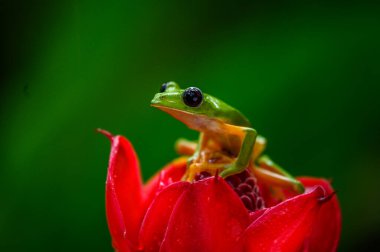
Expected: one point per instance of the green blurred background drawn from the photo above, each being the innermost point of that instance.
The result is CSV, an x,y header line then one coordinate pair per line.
x,y
306,74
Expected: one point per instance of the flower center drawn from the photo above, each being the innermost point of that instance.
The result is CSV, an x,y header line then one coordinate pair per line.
x,y
245,186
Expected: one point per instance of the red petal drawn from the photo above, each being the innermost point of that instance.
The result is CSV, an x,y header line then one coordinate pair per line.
x,y
327,225
171,173
209,216
156,219
256,214
123,194
284,227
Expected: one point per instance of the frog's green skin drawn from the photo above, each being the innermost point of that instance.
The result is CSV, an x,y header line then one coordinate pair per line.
x,y
214,119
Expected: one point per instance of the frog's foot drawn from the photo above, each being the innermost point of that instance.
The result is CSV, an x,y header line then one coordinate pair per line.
x,y
185,147
231,169
269,172
198,168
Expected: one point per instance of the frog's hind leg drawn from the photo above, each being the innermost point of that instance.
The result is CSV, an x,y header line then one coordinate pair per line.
x,y
197,168
245,155
185,147
269,172
259,147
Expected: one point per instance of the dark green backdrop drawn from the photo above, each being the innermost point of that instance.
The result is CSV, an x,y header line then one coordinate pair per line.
x,y
306,74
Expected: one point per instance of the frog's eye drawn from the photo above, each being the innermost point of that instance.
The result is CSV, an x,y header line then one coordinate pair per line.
x,y
164,87
192,97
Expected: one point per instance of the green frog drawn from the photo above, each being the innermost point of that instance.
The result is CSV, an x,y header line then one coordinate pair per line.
x,y
227,143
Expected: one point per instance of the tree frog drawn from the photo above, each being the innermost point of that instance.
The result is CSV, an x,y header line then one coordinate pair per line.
x,y
227,144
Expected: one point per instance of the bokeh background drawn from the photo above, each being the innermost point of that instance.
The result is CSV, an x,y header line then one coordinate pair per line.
x,y
306,74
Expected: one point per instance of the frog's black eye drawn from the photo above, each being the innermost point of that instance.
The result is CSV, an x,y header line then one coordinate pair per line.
x,y
163,87
192,97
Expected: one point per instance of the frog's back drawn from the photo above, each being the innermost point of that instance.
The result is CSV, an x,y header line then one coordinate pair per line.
x,y
226,113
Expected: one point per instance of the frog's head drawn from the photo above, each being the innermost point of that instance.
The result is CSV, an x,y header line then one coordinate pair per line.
x,y
188,105
172,97
193,107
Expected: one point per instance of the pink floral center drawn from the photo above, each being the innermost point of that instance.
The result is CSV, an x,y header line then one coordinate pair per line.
x,y
245,186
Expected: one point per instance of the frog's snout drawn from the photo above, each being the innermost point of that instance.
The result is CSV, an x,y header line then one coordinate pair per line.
x,y
157,100
170,100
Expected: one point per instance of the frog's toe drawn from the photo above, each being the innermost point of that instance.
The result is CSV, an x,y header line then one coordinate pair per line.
x,y
229,170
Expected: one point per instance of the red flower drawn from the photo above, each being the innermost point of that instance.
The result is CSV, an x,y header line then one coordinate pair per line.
x,y
167,214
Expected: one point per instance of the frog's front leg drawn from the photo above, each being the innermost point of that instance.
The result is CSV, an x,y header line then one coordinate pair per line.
x,y
246,150
189,175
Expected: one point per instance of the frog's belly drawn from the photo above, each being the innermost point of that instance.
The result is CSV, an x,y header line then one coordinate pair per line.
x,y
215,129
214,157
196,122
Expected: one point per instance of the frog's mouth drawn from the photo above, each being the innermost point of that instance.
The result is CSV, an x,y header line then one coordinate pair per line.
x,y
180,115
193,121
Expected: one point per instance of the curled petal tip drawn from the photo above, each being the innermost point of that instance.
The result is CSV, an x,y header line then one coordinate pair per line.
x,y
105,132
328,197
